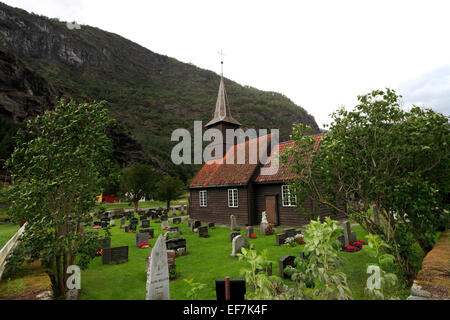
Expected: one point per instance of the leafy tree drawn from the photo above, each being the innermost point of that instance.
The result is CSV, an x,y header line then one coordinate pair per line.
x,y
59,165
380,156
169,189
137,181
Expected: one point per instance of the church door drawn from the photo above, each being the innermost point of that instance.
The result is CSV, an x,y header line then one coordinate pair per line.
x,y
272,209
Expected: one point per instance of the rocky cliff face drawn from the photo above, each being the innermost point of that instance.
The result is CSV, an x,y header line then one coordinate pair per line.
x,y
24,95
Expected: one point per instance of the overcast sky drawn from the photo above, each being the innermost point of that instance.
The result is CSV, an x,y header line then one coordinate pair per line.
x,y
320,54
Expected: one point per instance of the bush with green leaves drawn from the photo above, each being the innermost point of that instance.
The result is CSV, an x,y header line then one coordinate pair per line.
x,y
195,288
321,270
264,287
383,279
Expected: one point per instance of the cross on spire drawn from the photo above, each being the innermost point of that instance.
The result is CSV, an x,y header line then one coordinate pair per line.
x,y
221,60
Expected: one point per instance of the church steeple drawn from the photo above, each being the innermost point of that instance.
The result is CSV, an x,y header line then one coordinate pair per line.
x,y
222,112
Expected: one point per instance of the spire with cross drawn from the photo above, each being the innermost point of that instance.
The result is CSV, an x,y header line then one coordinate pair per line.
x,y
221,61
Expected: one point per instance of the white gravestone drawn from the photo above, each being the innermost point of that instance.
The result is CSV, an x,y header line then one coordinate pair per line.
x,y
158,273
264,223
233,225
264,218
238,243
164,225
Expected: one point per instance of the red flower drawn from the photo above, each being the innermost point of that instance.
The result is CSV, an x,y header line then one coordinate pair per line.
x,y
165,228
143,244
252,236
149,236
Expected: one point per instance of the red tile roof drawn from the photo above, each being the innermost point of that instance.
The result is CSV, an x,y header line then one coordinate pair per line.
x,y
220,173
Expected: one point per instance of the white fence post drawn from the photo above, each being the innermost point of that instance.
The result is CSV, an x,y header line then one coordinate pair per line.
x,y
10,245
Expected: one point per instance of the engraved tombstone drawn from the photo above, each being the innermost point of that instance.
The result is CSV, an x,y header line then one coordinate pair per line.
x,y
157,287
233,225
238,243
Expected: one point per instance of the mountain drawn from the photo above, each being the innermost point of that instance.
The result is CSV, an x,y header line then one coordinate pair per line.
x,y
149,94
24,95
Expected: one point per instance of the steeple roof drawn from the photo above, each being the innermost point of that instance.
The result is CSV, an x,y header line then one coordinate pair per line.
x,y
222,112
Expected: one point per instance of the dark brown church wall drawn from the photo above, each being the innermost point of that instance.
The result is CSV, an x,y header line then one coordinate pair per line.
x,y
217,209
288,216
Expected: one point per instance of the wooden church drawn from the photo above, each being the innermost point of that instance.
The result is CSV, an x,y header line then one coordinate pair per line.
x,y
221,189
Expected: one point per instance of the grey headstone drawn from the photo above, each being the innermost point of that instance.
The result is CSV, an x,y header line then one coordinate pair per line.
x,y
203,232
233,235
284,262
116,254
145,223
233,224
262,227
238,243
123,221
157,287
248,232
140,237
164,225
347,233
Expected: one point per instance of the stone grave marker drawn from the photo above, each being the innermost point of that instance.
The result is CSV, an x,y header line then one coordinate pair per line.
x,y
281,238
164,225
157,287
203,232
303,256
175,229
195,225
284,262
290,232
238,243
175,244
123,221
134,221
149,231
112,223
115,255
103,243
182,211
211,225
164,217
233,235
145,223
140,237
176,220
233,225
248,232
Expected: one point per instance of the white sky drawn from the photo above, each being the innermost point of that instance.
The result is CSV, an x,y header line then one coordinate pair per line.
x,y
320,54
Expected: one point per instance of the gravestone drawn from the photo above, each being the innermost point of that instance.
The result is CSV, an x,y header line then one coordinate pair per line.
x,y
171,255
203,232
157,287
233,225
237,290
347,233
164,225
134,221
182,211
195,225
248,232
130,228
145,223
211,225
140,237
238,243
281,238
176,220
97,223
112,223
284,262
151,232
115,255
103,243
262,227
104,224
290,232
174,212
175,244
123,221
234,235
175,229
164,217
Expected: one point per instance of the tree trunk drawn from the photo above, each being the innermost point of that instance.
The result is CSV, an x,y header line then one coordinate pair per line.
x,y
168,205
136,205
59,276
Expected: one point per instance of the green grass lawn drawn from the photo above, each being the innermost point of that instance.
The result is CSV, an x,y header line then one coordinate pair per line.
x,y
7,230
208,259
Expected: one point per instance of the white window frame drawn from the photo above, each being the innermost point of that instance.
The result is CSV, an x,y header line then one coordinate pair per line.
x,y
203,197
233,200
288,199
